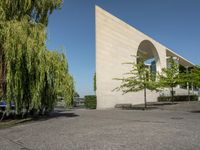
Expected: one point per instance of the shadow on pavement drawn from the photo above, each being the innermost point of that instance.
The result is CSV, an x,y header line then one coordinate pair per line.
x,y
150,106
162,104
195,111
62,114
17,120
56,114
138,108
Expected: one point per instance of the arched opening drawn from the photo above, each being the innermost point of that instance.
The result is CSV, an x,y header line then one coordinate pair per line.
x,y
149,55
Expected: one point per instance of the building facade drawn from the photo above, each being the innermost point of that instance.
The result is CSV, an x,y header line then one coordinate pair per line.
x,y
116,43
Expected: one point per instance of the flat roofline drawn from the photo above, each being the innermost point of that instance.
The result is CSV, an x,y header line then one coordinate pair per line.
x,y
184,60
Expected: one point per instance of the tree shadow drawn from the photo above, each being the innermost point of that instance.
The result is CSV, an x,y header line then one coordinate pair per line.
x,y
150,106
139,108
162,104
55,114
195,111
18,120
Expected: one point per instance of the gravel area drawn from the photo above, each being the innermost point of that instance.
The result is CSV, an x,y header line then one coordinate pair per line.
x,y
169,127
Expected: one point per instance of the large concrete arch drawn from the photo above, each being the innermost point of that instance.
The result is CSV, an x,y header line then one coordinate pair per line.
x,y
116,42
149,51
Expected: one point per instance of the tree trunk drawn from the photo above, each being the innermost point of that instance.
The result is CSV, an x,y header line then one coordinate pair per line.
x,y
189,95
172,94
145,98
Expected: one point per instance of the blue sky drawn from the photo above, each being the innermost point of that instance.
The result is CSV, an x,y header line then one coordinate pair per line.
x,y
174,23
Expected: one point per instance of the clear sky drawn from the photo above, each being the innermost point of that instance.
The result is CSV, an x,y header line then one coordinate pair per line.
x,y
174,23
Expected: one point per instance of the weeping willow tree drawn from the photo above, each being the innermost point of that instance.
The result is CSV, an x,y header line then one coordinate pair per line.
x,y
31,75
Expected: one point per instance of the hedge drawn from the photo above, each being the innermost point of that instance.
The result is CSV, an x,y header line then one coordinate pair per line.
x,y
177,98
90,101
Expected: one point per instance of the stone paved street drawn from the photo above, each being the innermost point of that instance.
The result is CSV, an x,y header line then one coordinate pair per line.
x,y
169,128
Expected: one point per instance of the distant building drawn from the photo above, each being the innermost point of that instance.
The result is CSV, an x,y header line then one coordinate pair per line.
x,y
79,102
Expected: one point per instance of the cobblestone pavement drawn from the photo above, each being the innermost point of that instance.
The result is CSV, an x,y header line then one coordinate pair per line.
x,y
169,128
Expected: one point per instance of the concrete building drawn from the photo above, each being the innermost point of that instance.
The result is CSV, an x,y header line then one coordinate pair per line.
x,y
116,41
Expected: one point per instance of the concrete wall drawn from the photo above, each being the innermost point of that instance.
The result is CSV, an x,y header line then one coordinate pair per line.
x,y
116,41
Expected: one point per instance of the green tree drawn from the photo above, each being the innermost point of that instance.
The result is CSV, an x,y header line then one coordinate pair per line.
x,y
33,10
32,76
187,79
169,77
76,94
139,78
195,76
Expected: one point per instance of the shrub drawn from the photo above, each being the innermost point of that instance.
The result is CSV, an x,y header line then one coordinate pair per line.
x,y
90,101
177,98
